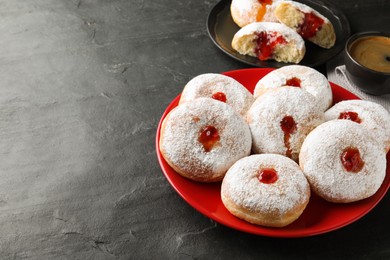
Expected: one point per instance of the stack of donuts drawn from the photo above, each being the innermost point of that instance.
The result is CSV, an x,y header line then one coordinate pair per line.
x,y
273,148
276,29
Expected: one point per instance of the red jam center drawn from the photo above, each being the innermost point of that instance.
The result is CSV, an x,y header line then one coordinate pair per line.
x,y
266,43
265,2
220,96
208,136
289,127
310,26
268,176
293,82
351,160
353,116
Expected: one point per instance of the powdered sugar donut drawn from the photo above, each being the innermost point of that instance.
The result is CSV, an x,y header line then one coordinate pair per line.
x,y
300,76
265,189
342,161
268,40
309,23
219,87
371,115
201,139
245,12
280,120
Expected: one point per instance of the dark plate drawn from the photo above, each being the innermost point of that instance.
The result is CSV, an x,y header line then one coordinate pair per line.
x,y
221,29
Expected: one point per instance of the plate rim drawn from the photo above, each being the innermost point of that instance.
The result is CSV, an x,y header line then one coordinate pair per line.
x,y
325,4
262,231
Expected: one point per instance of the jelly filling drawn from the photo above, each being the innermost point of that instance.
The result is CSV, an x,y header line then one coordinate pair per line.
x,y
289,127
263,9
310,25
265,44
220,96
351,160
268,176
293,82
208,136
349,115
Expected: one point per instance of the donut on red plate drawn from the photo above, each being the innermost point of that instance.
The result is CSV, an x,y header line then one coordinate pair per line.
x,y
265,189
309,23
280,120
201,139
268,40
244,12
219,87
304,77
342,161
371,115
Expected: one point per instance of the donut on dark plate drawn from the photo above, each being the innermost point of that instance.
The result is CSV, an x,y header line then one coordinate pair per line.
x,y
269,41
309,23
244,12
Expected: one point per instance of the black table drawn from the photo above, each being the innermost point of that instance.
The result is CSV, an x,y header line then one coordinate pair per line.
x,y
83,86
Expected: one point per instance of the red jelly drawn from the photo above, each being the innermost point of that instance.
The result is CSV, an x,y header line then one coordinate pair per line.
x,y
289,127
265,44
310,26
208,136
353,116
293,82
351,160
268,176
220,96
265,2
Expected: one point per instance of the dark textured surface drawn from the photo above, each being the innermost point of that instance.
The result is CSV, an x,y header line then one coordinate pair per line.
x,y
83,85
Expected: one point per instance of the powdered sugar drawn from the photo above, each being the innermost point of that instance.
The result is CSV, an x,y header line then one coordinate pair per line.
x,y
320,161
244,6
180,132
373,116
246,11
306,9
311,80
267,112
288,33
205,85
241,184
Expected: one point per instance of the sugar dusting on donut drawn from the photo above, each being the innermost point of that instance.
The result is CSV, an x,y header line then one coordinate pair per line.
x,y
245,12
269,27
371,115
267,112
245,5
310,80
276,201
269,40
180,146
309,23
308,9
206,85
320,160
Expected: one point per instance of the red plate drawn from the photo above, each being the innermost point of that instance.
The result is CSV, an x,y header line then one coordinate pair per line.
x,y
319,217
